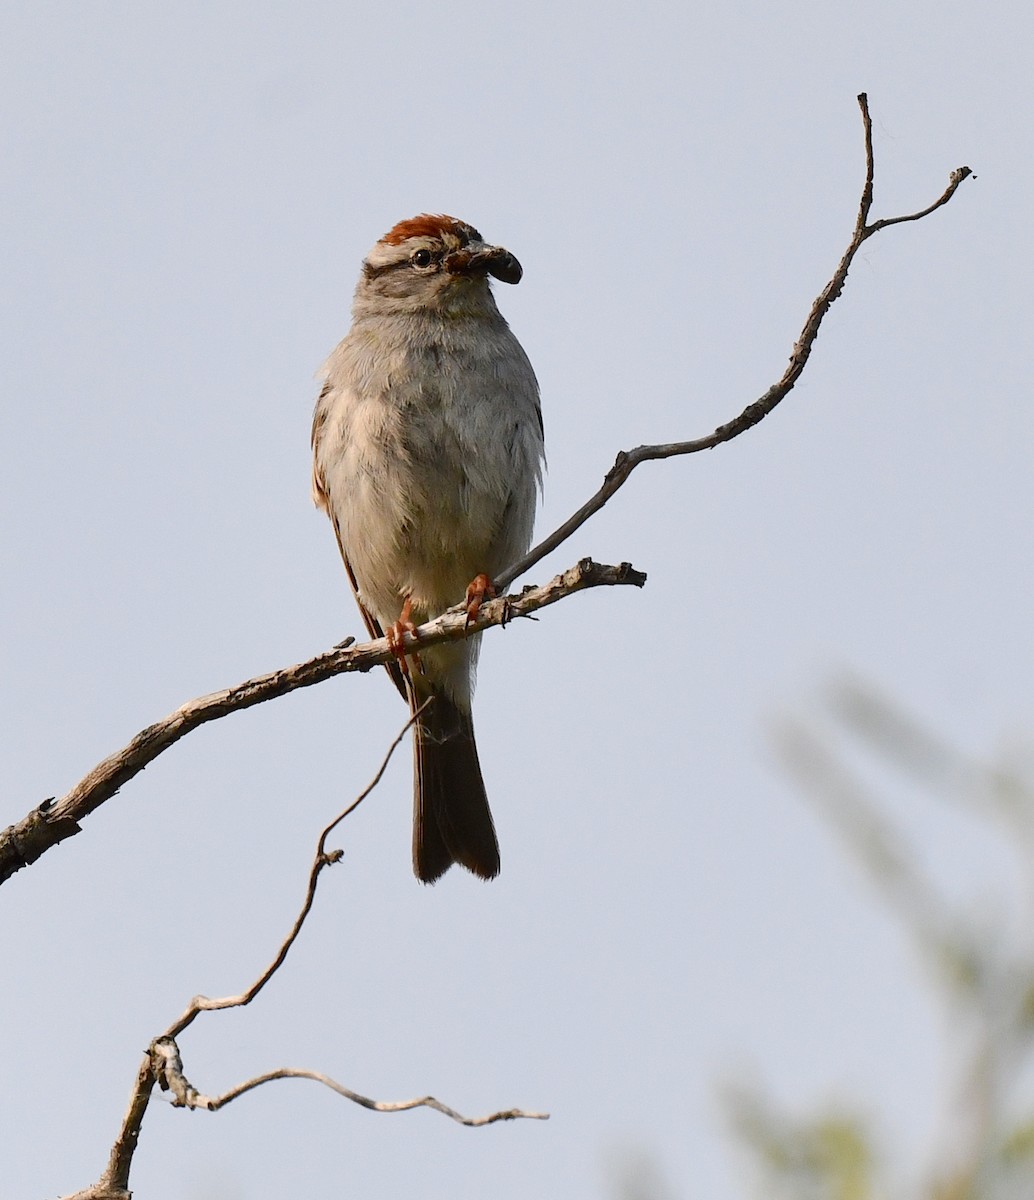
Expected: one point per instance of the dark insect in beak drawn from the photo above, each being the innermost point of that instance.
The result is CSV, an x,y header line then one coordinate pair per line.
x,y
491,259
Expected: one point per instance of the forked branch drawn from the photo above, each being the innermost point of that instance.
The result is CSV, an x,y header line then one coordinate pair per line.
x,y
627,460
163,1066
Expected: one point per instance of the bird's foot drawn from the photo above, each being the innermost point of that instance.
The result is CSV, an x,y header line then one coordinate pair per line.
x,y
394,635
480,589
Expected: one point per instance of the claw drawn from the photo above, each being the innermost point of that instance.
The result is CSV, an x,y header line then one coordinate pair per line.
x,y
480,589
395,633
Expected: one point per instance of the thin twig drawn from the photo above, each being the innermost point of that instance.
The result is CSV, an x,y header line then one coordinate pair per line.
x,y
52,822
185,1095
627,460
162,1064
320,862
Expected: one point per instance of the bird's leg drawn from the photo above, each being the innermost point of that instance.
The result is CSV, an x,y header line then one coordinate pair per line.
x,y
480,589
395,633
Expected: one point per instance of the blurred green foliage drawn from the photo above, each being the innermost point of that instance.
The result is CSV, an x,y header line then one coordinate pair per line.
x,y
859,758
848,756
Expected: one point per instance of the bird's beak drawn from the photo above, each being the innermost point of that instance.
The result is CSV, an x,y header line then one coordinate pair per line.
x,y
481,257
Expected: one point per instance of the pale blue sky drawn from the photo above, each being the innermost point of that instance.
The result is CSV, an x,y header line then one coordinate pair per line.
x,y
188,191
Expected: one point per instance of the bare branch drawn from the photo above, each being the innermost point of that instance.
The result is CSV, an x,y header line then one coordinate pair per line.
x,y
954,179
99,1192
162,1063
627,460
114,1183
116,1177
322,860
185,1095
54,821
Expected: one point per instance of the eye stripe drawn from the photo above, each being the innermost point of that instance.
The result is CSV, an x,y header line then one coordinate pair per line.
x,y
375,272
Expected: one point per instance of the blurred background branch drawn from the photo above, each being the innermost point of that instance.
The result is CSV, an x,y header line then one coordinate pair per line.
x,y
866,763
858,747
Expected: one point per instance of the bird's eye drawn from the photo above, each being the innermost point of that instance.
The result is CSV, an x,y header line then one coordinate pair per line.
x,y
421,258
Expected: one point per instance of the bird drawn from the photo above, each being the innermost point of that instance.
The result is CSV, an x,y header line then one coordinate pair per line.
x,y
428,453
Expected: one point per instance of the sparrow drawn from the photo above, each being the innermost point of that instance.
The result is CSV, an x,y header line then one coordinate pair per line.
x,y
428,451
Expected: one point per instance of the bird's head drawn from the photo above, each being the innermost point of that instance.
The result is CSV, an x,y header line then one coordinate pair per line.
x,y
434,262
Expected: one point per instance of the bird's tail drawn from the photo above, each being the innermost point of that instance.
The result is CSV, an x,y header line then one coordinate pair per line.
x,y
452,822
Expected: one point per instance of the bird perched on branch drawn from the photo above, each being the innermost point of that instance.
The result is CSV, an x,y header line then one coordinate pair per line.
x,y
427,457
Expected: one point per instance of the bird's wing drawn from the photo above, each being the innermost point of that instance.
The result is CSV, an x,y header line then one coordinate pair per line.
x,y
322,500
